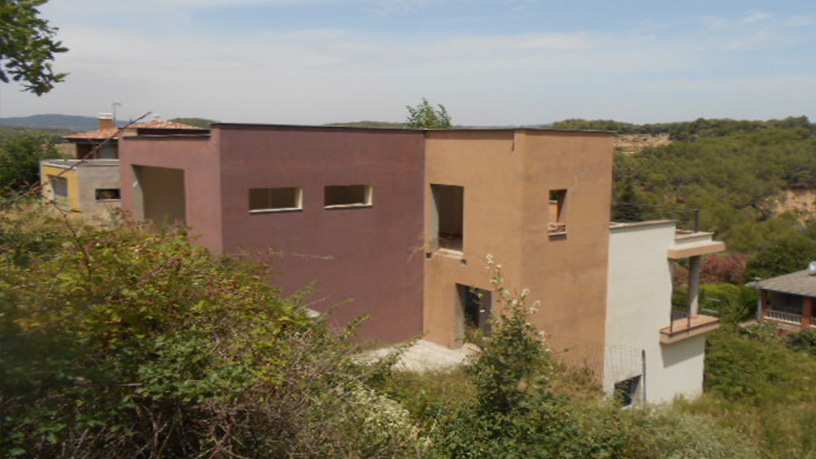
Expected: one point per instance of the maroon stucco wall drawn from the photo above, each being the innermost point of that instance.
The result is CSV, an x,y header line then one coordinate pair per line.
x,y
198,158
371,256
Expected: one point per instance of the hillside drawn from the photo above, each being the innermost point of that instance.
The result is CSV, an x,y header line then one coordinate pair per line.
x,y
70,123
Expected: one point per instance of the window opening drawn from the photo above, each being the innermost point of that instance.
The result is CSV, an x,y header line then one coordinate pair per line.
x,y
347,195
557,211
448,217
59,185
107,194
275,199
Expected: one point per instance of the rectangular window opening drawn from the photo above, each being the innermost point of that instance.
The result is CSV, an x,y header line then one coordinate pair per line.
x,y
448,217
59,186
557,212
107,194
275,199
347,196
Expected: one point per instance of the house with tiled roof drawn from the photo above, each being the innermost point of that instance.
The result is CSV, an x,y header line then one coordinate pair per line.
x,y
88,184
788,300
103,143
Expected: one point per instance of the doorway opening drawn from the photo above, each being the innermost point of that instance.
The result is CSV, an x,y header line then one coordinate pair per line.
x,y
473,311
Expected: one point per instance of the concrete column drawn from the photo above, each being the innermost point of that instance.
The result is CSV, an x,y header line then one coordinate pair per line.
x,y
763,305
807,312
695,268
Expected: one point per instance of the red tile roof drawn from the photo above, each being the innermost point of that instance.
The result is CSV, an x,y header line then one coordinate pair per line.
x,y
112,132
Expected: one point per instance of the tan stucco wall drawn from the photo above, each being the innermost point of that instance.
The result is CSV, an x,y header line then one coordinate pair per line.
x,y
491,171
507,176
568,274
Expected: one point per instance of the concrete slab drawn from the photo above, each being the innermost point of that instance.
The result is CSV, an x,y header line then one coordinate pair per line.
x,y
424,356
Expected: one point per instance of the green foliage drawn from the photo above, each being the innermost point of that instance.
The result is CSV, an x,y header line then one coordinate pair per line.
x,y
755,366
198,122
27,46
691,130
760,387
424,116
784,251
135,343
513,360
733,304
370,124
805,340
20,155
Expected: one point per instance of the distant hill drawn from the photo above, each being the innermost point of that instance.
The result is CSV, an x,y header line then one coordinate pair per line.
x,y
70,123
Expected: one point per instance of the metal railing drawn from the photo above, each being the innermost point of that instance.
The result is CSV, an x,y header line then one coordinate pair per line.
x,y
688,219
785,317
678,314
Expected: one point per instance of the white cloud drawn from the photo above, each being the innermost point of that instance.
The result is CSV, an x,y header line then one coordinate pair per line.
x,y
320,75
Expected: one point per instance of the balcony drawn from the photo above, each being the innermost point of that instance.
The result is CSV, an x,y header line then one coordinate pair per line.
x,y
683,326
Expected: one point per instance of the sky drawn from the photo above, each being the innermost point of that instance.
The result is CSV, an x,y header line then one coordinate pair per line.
x,y
489,62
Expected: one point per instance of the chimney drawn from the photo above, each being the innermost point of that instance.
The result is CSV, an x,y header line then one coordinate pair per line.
x,y
106,121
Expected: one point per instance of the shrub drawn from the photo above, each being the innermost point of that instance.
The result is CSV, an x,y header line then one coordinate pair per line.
x,y
135,343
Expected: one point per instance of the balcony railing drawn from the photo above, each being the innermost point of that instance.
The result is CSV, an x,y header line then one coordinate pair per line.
x,y
684,326
784,317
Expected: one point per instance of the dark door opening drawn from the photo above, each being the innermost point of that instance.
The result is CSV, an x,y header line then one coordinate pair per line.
x,y
474,309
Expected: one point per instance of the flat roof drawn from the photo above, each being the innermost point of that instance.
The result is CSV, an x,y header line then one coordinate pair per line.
x,y
401,130
798,283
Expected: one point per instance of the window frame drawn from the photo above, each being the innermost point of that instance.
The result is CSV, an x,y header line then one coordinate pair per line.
x,y
98,199
558,225
368,200
267,210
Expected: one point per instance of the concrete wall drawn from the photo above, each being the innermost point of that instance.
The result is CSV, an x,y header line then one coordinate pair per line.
x,y
639,305
507,176
368,257
95,175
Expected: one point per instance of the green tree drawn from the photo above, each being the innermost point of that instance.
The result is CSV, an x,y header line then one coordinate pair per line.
x,y
20,155
197,122
27,46
425,116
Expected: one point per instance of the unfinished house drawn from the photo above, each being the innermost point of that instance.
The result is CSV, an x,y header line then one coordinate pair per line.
x,y
88,184
395,225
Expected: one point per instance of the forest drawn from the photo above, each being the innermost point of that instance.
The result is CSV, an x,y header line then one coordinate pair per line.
x,y
735,174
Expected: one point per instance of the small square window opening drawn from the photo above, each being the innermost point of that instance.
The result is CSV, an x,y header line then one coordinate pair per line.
x,y
107,194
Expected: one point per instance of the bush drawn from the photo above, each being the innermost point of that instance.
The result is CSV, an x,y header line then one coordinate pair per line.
x,y
804,340
136,343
